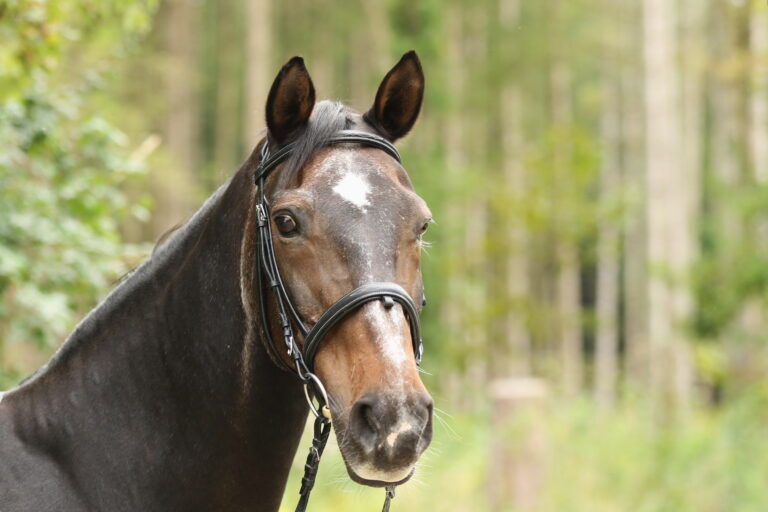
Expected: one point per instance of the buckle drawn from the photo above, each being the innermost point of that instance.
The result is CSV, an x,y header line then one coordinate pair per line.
x,y
261,215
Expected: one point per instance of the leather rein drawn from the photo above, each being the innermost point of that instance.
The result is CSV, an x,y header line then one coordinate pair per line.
x,y
289,318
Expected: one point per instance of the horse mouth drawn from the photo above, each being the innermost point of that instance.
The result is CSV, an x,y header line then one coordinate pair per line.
x,y
377,483
375,460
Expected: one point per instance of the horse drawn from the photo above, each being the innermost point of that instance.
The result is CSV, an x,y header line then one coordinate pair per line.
x,y
173,395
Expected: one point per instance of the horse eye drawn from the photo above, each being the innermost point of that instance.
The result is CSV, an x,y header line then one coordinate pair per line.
x,y
285,224
424,227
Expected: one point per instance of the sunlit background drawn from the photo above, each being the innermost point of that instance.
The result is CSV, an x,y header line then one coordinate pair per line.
x,y
596,333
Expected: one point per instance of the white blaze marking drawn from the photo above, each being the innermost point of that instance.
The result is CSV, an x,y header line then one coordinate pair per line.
x,y
404,427
387,324
1,396
355,189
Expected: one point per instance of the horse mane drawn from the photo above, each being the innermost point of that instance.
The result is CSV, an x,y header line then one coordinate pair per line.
x,y
161,241
165,237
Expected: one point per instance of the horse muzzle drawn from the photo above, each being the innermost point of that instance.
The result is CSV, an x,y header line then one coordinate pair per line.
x,y
385,436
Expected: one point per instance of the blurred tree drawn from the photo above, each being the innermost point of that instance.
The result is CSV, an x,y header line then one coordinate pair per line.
x,y
568,288
174,184
607,285
633,299
259,67
668,200
758,92
516,354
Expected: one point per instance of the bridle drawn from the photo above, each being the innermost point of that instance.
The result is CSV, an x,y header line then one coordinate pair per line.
x,y
268,278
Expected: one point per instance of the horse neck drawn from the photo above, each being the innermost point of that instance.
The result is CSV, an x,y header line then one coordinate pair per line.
x,y
169,372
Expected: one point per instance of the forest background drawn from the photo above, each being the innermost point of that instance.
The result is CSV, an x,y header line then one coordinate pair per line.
x,y
596,334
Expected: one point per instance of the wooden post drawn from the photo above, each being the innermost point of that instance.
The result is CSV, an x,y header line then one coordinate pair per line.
x,y
517,443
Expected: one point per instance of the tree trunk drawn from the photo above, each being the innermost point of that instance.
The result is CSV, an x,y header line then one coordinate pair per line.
x,y
569,307
476,208
176,187
753,317
514,330
259,70
453,212
692,66
229,89
516,268
607,308
568,288
758,39
635,272
668,204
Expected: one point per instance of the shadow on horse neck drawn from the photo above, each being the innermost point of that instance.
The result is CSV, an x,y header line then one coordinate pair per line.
x,y
147,405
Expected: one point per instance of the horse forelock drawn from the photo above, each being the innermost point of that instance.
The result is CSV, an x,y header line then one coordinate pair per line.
x,y
328,118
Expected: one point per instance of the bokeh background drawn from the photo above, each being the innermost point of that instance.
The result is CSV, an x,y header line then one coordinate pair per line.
x,y
598,169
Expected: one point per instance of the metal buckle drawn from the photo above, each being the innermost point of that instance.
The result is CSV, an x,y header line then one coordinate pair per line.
x,y
261,215
323,410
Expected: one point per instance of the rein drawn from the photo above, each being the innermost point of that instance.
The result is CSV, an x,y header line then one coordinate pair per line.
x,y
288,316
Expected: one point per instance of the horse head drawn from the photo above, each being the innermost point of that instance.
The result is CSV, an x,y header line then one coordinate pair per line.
x,y
344,215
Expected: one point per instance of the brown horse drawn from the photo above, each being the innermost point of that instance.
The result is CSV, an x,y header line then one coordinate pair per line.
x,y
168,396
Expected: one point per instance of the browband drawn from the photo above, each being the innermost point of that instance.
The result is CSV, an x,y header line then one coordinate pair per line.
x,y
269,162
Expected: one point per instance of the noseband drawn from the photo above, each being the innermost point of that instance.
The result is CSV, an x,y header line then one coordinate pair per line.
x,y
269,279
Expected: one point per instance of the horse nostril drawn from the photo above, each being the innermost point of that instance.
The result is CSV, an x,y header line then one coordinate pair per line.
x,y
423,411
364,423
367,414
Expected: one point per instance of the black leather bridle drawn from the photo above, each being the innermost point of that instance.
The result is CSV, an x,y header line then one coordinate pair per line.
x,y
289,317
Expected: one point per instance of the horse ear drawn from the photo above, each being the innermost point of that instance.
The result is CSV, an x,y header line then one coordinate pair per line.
x,y
398,99
291,100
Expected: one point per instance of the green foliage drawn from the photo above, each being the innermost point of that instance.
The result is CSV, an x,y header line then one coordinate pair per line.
x,y
37,37
62,167
732,271
562,198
